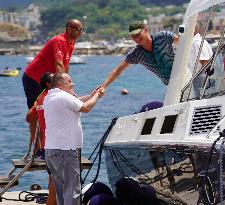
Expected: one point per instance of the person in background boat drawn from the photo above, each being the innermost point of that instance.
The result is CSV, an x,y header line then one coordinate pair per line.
x,y
53,57
155,52
34,115
64,136
205,55
206,52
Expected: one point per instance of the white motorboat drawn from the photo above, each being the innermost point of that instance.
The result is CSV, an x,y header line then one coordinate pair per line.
x,y
77,60
29,59
178,149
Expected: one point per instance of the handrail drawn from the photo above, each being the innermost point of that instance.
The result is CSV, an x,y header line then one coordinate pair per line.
x,y
215,127
214,59
30,162
204,67
199,52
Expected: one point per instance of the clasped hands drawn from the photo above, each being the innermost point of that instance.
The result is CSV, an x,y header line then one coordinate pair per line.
x,y
100,90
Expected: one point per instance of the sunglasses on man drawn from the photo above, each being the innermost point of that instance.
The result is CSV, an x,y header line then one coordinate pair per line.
x,y
80,30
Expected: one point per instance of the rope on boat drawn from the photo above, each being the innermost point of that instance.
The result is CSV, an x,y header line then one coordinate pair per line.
x,y
30,196
133,167
222,151
206,192
115,154
99,153
117,164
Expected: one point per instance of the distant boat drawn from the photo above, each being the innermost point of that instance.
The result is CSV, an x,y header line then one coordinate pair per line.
x,y
74,59
29,59
9,72
77,60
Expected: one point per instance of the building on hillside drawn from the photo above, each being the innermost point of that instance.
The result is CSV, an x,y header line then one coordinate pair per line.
x,y
163,22
155,23
28,17
219,21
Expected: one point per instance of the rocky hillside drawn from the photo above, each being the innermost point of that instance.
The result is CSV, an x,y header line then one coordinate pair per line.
x,y
13,33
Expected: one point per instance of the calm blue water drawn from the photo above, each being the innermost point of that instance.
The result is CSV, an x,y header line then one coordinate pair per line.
x,y
142,85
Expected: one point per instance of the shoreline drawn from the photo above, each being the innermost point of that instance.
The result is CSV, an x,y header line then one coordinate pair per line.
x,y
92,50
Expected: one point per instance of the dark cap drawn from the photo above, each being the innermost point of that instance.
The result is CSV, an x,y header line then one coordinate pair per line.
x,y
136,27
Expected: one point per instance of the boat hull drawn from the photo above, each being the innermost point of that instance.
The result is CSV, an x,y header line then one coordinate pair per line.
x,y
169,148
176,175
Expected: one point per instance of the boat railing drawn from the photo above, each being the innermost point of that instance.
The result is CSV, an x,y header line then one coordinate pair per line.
x,y
209,81
214,129
27,165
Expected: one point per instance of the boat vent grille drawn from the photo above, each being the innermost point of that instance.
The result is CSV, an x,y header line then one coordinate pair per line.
x,y
204,119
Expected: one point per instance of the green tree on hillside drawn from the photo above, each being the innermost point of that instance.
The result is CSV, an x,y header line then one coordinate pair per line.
x,y
104,18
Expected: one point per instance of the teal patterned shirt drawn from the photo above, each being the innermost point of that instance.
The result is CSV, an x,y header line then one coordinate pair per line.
x,y
160,59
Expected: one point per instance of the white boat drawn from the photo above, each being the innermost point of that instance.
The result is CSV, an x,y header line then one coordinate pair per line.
x,y
179,148
29,59
74,59
77,60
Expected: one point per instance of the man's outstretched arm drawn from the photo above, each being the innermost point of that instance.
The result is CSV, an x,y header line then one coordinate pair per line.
x,y
115,73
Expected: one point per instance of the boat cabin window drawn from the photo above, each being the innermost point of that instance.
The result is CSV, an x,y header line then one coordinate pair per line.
x,y
209,81
147,128
168,124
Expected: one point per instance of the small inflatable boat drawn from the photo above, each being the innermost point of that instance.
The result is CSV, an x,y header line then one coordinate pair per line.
x,y
9,73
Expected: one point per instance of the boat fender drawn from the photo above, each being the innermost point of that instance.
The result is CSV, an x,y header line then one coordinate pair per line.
x,y
129,191
151,106
148,196
95,189
103,199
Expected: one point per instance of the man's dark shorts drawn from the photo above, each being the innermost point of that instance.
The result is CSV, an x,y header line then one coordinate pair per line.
x,y
32,90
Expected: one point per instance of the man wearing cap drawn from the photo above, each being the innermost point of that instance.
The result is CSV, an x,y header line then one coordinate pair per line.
x,y
155,52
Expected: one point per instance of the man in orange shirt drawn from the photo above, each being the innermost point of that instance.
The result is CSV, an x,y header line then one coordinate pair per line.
x,y
53,57
36,115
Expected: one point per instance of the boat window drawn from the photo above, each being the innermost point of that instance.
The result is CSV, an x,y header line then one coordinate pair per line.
x,y
214,84
147,128
168,124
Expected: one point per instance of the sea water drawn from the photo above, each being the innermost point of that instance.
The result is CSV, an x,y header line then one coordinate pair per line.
x,y
142,85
